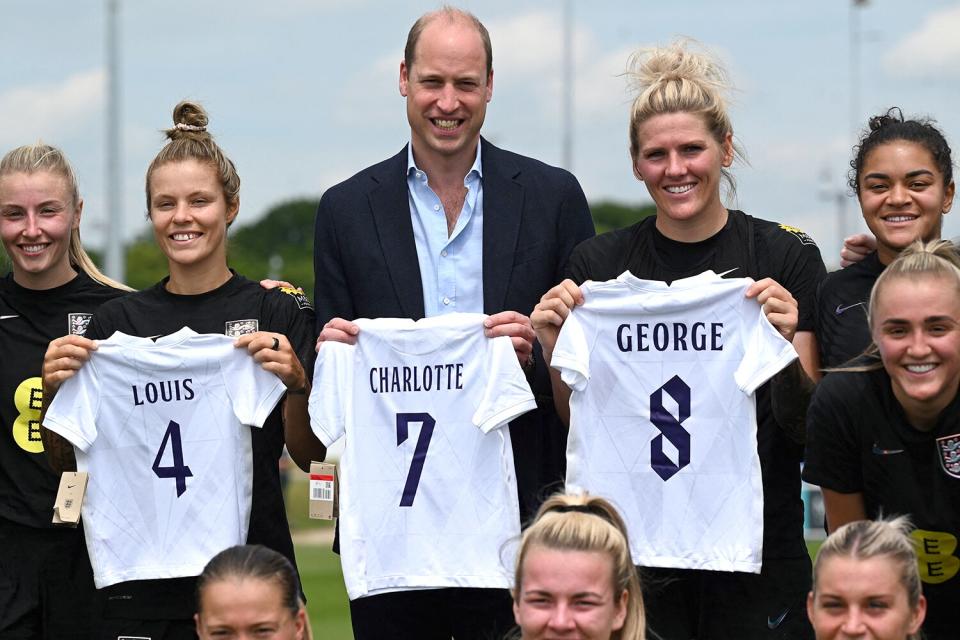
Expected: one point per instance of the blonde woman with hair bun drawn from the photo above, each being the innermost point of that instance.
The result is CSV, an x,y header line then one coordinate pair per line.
x,y
52,290
682,146
574,575
884,430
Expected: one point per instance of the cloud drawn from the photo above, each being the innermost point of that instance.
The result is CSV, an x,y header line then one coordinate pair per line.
x,y
51,111
933,49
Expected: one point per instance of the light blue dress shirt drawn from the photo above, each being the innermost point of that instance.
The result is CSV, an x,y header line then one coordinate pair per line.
x,y
451,267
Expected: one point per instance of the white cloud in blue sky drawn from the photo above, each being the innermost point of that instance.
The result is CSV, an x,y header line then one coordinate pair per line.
x,y
303,93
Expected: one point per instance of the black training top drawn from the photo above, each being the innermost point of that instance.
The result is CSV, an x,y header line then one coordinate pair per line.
x,y
859,441
239,306
29,320
841,312
746,246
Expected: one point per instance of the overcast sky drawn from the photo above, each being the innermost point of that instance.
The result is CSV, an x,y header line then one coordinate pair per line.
x,y
303,93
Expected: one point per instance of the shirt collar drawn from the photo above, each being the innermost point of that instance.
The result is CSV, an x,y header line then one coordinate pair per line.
x,y
477,165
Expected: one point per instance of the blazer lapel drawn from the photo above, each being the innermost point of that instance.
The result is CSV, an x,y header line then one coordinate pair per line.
x,y
391,214
502,211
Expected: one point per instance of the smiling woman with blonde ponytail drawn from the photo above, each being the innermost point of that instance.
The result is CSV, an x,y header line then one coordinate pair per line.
x,y
52,290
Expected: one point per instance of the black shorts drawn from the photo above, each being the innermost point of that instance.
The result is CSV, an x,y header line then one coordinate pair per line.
x,y
433,614
46,584
718,605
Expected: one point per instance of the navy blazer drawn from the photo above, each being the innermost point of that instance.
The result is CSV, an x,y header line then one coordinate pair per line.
x,y
365,264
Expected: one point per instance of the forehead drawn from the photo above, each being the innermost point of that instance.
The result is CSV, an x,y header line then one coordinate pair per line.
x,y
914,297
450,42
567,571
189,174
669,128
855,577
899,155
41,184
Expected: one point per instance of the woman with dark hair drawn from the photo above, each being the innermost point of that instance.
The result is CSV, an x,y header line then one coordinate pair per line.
x,y
884,431
902,175
249,591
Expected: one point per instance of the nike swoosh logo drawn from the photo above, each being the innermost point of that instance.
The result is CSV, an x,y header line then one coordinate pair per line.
x,y
71,486
773,623
841,308
884,452
8,317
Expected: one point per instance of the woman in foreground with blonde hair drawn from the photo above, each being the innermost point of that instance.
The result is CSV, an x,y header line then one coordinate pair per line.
x,y
574,575
865,583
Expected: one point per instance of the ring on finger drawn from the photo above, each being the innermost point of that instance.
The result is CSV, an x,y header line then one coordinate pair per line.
x,y
276,344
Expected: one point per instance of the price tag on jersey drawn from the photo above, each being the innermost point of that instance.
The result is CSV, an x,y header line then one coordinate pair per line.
x,y
323,490
66,509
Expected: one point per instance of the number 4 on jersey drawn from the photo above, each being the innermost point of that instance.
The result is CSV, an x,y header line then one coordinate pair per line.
x,y
177,470
419,453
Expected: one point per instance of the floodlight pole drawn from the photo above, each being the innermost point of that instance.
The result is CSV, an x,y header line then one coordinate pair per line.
x,y
568,78
114,258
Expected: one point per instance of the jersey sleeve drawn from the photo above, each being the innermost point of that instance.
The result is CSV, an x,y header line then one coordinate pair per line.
x,y
332,378
798,266
507,393
765,351
292,315
832,459
571,355
253,391
74,410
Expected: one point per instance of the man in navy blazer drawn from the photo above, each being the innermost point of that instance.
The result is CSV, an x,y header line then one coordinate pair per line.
x,y
452,209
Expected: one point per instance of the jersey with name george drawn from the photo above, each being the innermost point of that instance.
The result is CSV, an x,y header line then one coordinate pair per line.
x,y
428,497
663,416
160,428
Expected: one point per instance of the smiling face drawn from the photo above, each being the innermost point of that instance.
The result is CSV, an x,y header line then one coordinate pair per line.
x,y
862,599
568,595
247,608
680,162
190,215
916,326
37,216
902,196
447,88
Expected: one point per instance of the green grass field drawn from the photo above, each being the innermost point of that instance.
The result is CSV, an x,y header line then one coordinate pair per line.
x,y
320,571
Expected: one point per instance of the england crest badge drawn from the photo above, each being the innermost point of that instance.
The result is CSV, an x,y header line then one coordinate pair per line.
x,y
237,328
77,323
948,448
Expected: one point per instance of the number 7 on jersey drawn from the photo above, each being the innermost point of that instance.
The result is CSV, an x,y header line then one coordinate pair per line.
x,y
419,453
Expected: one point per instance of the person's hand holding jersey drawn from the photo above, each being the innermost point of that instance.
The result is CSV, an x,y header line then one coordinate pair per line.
x,y
275,354
779,306
63,359
515,325
338,330
552,311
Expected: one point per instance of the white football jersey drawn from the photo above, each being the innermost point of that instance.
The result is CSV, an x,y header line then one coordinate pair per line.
x,y
663,417
428,496
160,428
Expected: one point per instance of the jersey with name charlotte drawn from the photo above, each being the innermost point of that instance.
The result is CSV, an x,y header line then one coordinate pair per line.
x,y
428,495
663,417
159,426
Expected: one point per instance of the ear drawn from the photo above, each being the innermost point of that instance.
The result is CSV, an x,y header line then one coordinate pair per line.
x,y
77,214
404,78
727,148
636,169
516,610
948,197
196,621
490,85
233,208
300,623
810,606
621,615
916,620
